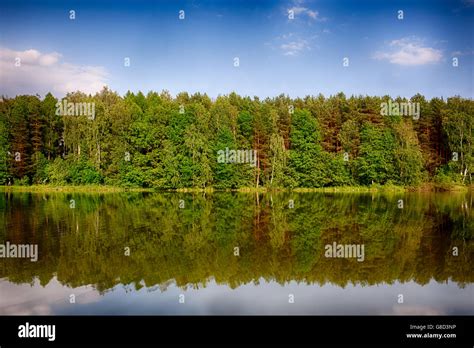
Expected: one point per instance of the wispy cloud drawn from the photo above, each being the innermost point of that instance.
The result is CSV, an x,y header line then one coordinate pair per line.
x,y
31,71
294,48
462,53
303,10
409,52
291,44
298,9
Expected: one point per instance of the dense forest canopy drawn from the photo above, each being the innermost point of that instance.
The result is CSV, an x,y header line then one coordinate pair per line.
x,y
165,142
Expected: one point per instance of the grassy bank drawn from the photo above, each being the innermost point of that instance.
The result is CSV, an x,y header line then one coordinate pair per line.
x,y
84,188
428,187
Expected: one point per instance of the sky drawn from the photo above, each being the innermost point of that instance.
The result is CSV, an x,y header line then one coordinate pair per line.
x,y
294,47
432,298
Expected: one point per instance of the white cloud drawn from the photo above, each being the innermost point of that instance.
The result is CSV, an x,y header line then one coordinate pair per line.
x,y
36,299
294,48
462,53
299,9
312,14
409,52
291,44
45,72
306,11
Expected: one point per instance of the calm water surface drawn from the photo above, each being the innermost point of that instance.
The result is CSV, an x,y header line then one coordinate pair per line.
x,y
189,254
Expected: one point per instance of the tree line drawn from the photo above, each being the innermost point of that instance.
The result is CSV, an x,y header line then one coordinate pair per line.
x,y
164,142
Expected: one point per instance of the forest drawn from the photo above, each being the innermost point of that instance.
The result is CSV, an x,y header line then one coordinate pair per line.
x,y
163,142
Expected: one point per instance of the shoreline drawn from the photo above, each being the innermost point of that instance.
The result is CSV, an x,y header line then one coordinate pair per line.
x,y
429,187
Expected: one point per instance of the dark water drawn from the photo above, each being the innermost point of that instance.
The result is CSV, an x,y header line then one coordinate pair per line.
x,y
189,254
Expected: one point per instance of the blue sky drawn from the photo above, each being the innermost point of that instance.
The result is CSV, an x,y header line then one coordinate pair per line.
x,y
298,56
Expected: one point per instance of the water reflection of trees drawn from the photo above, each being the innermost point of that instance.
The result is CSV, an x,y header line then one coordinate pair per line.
x,y
86,245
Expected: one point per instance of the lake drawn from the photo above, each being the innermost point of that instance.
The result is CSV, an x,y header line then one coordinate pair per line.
x,y
238,253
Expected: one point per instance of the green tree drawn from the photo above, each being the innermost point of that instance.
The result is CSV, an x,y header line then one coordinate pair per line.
x,y
376,155
306,162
